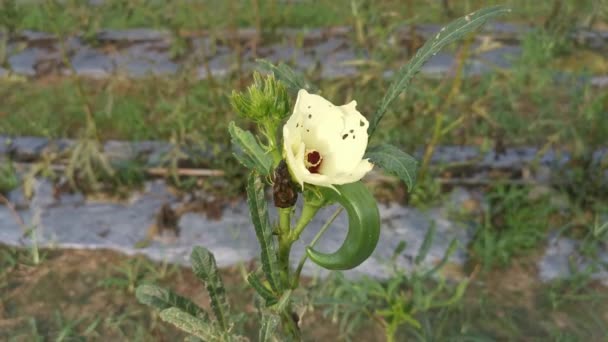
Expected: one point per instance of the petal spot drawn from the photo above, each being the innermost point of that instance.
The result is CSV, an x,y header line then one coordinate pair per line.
x,y
361,123
344,136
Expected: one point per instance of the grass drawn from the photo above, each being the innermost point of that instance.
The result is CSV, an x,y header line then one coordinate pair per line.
x,y
66,297
512,225
8,178
526,105
273,13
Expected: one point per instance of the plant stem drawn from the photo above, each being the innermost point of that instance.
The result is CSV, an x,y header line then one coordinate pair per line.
x,y
296,278
285,220
308,213
284,243
438,130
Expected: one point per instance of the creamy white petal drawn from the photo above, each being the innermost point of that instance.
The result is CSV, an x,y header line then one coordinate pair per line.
x,y
338,133
356,174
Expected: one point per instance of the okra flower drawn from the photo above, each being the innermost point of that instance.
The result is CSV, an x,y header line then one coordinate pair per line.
x,y
324,144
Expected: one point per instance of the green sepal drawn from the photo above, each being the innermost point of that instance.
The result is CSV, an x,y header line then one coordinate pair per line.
x,y
363,227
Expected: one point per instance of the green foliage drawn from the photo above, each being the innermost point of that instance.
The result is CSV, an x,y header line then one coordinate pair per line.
x,y
190,324
512,226
293,80
259,215
248,152
186,315
270,323
87,165
205,268
395,162
453,31
161,299
396,302
426,193
8,177
254,281
265,100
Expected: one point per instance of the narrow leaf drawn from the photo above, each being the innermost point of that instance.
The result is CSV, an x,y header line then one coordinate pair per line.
x,y
270,322
395,162
264,292
426,244
399,249
247,150
188,323
162,299
205,268
293,80
263,230
453,31
451,249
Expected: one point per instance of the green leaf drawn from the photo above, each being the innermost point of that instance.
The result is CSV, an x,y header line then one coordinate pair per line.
x,y
426,244
205,268
247,150
451,249
263,230
270,322
395,162
160,298
190,324
255,282
293,80
453,31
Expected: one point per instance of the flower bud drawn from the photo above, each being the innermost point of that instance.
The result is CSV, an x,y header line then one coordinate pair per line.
x,y
266,100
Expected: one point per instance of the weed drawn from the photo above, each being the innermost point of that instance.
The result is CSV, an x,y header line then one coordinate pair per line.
x,y
133,272
511,226
393,304
8,178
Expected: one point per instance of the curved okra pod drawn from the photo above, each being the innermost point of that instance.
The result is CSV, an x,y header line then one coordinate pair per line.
x,y
363,227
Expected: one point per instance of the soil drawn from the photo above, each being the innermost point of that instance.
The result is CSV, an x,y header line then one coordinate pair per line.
x,y
84,284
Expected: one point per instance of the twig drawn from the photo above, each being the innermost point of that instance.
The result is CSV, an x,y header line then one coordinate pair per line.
x,y
161,171
153,171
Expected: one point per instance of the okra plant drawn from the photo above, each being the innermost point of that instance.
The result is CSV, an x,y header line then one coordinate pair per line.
x,y
315,150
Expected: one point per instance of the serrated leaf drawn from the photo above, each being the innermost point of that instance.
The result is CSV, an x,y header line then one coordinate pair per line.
x,y
395,162
453,31
247,150
426,244
264,292
293,80
205,268
190,324
270,322
160,298
263,230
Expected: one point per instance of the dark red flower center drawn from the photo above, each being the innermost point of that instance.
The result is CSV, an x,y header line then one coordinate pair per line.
x,y
313,161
